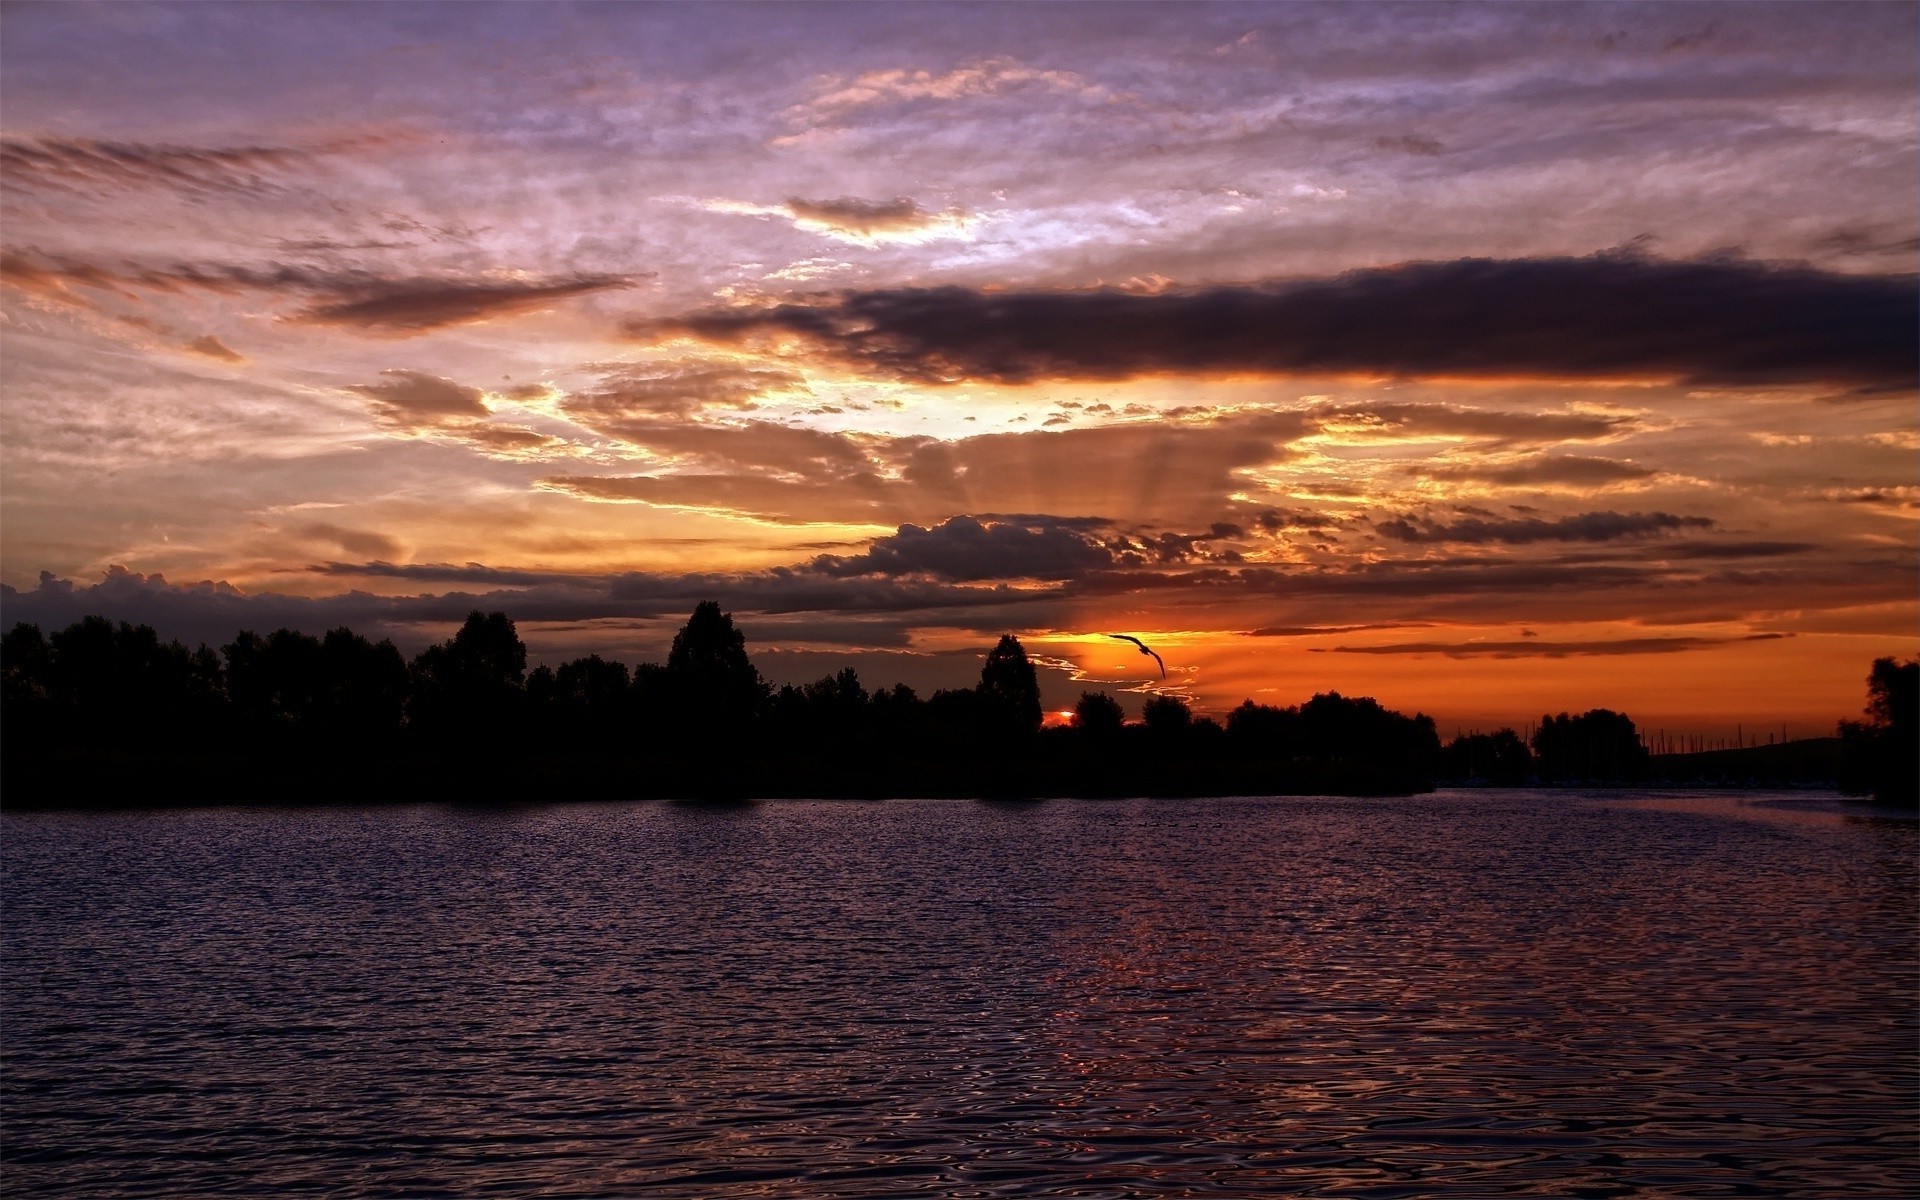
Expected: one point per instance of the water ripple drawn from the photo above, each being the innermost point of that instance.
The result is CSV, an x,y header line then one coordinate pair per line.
x,y
1465,994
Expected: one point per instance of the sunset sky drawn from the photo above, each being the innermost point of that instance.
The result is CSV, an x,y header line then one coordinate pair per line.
x,y
1490,360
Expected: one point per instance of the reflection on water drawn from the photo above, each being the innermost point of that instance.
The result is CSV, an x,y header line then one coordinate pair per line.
x,y
1460,994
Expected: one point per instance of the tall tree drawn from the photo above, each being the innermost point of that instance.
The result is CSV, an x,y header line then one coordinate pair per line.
x,y
1007,680
709,668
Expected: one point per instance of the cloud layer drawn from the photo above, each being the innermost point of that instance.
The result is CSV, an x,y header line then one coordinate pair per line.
x,y
1607,316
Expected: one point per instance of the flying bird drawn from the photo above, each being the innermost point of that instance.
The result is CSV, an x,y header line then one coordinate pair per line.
x,y
1127,637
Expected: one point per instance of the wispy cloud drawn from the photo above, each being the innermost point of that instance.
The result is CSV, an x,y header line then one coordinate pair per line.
x,y
1569,470
1537,648
837,98
417,403
861,222
87,164
356,300
1585,527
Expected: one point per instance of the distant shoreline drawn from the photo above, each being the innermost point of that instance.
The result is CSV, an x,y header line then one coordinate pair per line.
x,y
183,781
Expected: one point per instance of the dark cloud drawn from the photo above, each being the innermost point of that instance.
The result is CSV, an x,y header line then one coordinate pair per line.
x,y
1577,470
841,600
353,541
411,397
470,573
1274,520
1690,550
963,549
406,307
415,402
1324,630
1534,648
400,307
1606,316
1585,527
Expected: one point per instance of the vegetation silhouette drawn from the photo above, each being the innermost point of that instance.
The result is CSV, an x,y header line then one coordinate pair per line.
x,y
100,713
1881,755
1599,745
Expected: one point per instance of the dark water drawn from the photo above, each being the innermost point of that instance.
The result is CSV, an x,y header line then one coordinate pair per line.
x,y
1463,994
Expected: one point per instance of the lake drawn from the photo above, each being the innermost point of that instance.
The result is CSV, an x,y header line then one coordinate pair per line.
x,y
1462,994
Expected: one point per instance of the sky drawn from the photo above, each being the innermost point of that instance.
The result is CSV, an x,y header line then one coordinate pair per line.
x,y
1490,360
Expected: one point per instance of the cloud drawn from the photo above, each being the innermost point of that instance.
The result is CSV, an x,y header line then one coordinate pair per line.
x,y
965,549
411,397
861,222
1405,422
1606,316
407,307
1692,550
1576,470
1325,630
1411,143
1585,527
399,307
1275,520
83,164
1535,648
212,347
647,392
470,573
417,403
1163,472
842,96
353,541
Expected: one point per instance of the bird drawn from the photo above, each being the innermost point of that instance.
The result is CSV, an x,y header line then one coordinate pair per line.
x,y
1127,637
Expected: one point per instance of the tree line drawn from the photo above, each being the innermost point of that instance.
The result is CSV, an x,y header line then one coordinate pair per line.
x,y
104,710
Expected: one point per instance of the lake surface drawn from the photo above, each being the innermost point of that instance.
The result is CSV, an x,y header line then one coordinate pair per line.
x,y
1462,994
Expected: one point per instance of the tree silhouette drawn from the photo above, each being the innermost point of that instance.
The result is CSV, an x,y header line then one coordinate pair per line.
x,y
1098,717
363,688
289,714
1499,758
1599,745
709,673
1008,683
1882,754
1167,717
469,688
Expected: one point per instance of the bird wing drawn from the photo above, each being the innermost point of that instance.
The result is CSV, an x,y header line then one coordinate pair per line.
x,y
1161,661
1127,637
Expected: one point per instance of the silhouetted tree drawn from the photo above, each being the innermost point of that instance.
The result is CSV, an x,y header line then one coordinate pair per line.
x,y
1098,717
275,682
1008,682
26,686
711,678
120,686
470,688
294,710
1263,731
1499,758
1882,754
1599,745
363,689
1167,718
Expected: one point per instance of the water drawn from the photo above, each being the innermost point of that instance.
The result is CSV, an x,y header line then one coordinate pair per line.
x,y
1463,994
